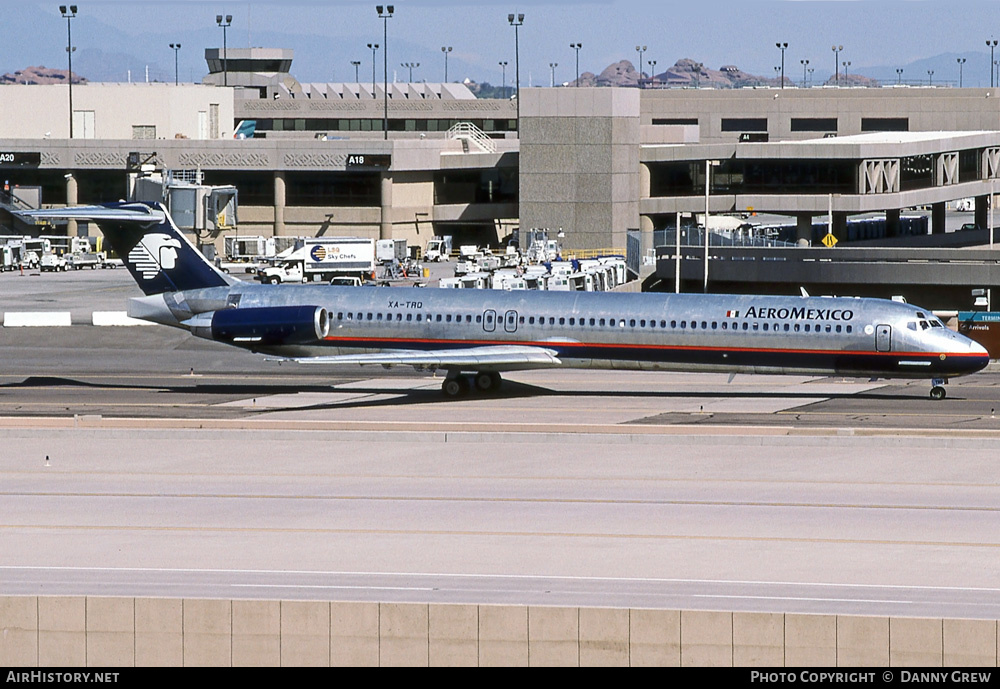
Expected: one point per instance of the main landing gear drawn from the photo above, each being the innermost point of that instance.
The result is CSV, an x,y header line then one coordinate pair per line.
x,y
458,384
937,390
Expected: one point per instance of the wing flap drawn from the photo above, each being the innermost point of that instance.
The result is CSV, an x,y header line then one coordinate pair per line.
x,y
490,357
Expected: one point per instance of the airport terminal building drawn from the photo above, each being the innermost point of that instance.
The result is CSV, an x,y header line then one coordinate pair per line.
x,y
597,162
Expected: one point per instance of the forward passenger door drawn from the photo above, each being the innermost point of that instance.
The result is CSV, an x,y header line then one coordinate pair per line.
x,y
883,338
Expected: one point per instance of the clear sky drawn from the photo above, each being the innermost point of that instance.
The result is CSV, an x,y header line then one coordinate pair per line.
x,y
328,35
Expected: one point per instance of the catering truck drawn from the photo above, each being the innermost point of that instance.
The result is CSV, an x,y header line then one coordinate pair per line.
x,y
321,259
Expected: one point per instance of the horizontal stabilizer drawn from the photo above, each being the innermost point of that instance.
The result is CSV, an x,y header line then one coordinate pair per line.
x,y
493,358
157,254
137,213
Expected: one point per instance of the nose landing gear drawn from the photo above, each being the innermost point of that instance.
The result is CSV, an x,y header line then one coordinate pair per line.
x,y
937,390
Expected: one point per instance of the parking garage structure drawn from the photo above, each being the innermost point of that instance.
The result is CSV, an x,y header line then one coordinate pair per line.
x,y
880,172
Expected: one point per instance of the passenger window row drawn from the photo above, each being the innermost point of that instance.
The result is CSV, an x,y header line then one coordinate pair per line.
x,y
601,322
365,316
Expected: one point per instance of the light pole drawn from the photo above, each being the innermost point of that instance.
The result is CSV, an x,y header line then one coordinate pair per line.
x,y
992,45
446,50
804,63
652,71
356,63
519,21
899,75
846,63
930,77
782,47
225,25
69,52
576,47
373,47
503,79
552,78
176,47
384,16
836,64
961,65
410,66
811,70
640,49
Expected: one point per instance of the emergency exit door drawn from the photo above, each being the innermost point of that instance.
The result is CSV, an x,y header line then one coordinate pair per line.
x,y
489,320
510,321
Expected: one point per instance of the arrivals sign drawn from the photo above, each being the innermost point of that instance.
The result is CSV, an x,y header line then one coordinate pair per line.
x,y
19,159
368,160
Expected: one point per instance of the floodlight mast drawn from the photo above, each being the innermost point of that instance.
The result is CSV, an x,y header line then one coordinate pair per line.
x,y
517,65
224,25
69,15
385,13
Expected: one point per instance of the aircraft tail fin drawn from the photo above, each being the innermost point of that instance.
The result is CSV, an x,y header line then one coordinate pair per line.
x,y
156,253
245,129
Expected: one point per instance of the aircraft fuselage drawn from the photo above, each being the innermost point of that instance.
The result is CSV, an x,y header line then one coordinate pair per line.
x,y
633,331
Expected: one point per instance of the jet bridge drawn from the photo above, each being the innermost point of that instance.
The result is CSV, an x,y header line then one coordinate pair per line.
x,y
204,210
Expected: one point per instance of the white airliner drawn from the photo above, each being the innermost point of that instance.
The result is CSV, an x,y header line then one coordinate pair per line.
x,y
475,335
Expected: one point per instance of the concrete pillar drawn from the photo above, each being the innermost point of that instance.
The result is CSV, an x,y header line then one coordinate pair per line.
x,y
937,218
645,234
72,199
840,226
892,222
804,227
982,211
279,203
385,223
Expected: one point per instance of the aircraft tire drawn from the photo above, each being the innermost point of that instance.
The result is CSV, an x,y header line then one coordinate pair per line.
x,y
455,387
938,393
487,381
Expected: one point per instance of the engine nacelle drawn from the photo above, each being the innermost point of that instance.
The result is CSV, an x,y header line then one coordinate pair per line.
x,y
271,325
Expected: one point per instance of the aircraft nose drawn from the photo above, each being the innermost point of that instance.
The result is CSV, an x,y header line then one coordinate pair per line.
x,y
979,356
977,348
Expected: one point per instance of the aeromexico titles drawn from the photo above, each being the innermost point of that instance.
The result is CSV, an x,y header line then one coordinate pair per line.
x,y
475,335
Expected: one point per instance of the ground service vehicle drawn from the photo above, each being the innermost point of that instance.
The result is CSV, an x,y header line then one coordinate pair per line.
x,y
321,259
438,249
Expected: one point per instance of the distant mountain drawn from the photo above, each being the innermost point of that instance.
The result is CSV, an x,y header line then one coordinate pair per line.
x,y
41,75
684,73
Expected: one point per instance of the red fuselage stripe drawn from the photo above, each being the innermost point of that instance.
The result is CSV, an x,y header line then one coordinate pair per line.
x,y
384,341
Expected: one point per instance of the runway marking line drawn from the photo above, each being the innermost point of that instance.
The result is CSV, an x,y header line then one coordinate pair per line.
x,y
492,534
487,500
465,575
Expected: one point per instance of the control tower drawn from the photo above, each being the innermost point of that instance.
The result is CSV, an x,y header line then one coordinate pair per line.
x,y
259,72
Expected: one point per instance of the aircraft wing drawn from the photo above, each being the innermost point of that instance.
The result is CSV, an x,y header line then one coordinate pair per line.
x,y
498,358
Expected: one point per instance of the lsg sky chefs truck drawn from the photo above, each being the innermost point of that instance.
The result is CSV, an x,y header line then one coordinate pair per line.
x,y
321,259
